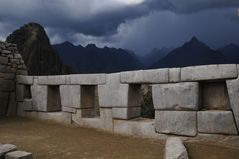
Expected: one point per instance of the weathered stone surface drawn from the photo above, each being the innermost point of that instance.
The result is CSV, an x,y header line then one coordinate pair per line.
x,y
86,79
175,149
107,119
83,113
12,105
6,148
19,155
6,69
174,74
39,96
60,117
216,122
233,91
8,76
52,80
20,92
69,109
6,85
70,95
126,113
77,96
22,72
138,127
27,80
176,96
209,72
3,60
215,96
6,52
176,122
17,56
145,76
26,105
3,108
113,93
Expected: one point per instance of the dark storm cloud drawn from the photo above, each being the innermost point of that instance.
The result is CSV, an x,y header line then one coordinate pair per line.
x,y
191,6
101,19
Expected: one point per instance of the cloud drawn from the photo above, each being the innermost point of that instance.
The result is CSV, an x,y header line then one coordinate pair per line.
x,y
94,17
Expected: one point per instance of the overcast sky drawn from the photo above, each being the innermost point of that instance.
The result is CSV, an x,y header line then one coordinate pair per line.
x,y
138,25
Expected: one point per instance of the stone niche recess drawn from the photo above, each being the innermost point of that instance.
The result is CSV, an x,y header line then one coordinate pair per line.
x,y
215,96
53,99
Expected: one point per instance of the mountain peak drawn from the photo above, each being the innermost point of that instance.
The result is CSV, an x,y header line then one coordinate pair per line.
x,y
91,46
194,39
67,43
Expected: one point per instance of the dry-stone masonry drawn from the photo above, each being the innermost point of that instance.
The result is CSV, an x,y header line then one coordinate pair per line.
x,y
11,64
187,101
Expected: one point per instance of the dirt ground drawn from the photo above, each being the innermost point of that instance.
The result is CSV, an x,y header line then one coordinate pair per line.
x,y
47,140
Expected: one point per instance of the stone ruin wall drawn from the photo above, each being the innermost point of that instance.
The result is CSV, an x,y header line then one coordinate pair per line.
x,y
11,64
188,101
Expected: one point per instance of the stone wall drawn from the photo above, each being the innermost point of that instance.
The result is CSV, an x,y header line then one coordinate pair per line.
x,y
187,101
11,64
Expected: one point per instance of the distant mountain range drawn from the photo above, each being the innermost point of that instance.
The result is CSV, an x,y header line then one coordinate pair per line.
x,y
91,59
43,59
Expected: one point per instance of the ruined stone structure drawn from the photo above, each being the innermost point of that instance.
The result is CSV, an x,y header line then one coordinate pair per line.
x,y
187,101
11,64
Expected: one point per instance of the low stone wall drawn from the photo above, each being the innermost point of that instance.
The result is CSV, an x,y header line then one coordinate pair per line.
x,y
187,101
11,64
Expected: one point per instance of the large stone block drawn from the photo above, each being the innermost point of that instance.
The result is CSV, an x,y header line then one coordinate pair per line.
x,y
107,119
71,95
209,72
176,122
145,76
39,96
176,96
216,122
215,96
113,93
126,113
233,91
19,155
26,80
86,79
174,74
175,149
52,80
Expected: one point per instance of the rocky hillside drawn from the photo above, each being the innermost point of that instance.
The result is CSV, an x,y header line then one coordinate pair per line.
x,y
36,50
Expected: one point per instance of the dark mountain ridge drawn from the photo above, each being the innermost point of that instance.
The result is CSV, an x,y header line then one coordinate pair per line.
x,y
38,54
191,53
91,59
